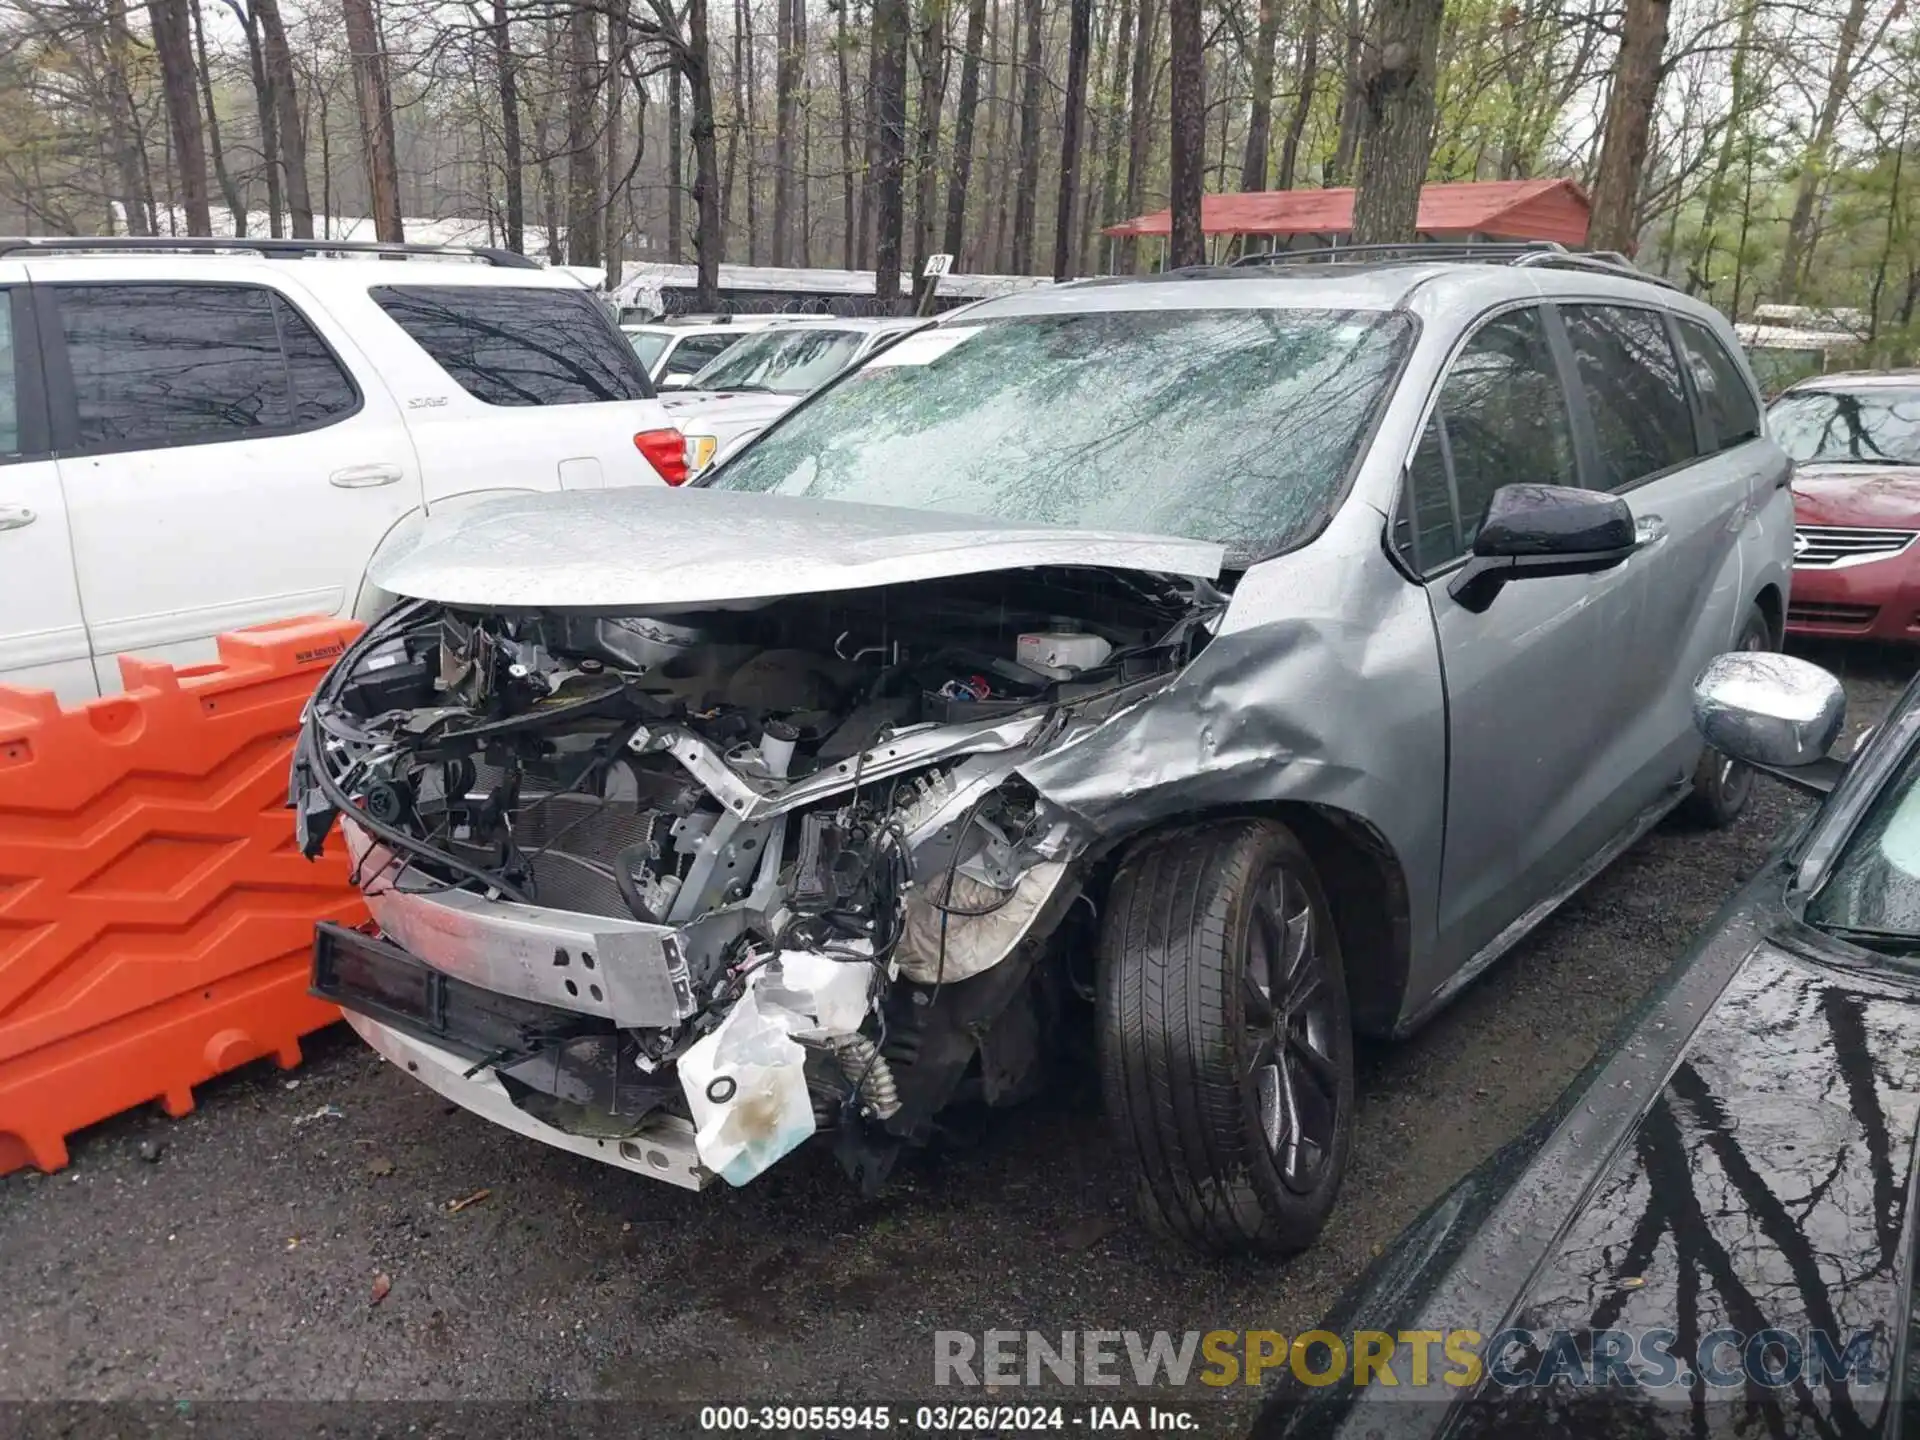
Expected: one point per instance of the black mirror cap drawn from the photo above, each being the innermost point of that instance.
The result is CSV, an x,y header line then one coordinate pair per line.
x,y
1553,520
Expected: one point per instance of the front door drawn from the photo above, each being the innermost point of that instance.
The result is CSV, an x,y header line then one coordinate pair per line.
x,y
1533,683
223,465
43,635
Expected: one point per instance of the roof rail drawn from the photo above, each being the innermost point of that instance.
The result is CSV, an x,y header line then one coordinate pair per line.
x,y
222,244
1547,253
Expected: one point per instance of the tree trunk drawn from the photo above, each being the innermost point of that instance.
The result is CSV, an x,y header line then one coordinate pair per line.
x,y
709,243
269,117
1027,186
1253,167
1187,77
1140,121
960,168
229,192
512,157
843,43
1110,196
743,79
1629,122
1813,165
871,109
1716,193
614,183
135,197
375,102
787,67
1396,122
676,174
890,26
1303,99
1079,39
286,98
926,143
173,46
993,203
583,149
1340,168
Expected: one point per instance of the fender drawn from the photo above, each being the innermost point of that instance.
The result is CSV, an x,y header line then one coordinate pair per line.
x,y
370,601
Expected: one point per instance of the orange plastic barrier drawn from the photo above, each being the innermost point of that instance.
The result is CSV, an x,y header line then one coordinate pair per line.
x,y
155,917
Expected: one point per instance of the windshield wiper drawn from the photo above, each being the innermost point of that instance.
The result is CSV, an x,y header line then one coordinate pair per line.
x,y
1892,942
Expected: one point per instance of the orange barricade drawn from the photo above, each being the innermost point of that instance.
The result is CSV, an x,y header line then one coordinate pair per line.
x,y
155,917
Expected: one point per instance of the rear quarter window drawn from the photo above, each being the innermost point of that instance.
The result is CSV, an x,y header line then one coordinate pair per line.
x,y
507,345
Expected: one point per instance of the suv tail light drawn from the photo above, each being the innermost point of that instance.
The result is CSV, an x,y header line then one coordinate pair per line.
x,y
666,451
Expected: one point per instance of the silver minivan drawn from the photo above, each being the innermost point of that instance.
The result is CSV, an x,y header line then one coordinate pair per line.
x,y
1212,664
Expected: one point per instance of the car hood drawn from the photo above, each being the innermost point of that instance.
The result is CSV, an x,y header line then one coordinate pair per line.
x,y
650,548
1741,1160
1870,496
697,411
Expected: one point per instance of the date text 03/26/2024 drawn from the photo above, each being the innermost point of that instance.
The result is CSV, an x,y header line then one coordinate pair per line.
x,y
962,1418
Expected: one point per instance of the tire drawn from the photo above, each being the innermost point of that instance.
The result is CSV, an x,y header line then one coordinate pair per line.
x,y
1197,1067
1721,786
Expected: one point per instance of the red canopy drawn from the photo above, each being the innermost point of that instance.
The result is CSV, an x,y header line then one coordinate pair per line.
x,y
1506,209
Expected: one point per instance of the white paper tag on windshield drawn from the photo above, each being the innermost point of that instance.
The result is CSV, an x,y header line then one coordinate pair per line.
x,y
922,347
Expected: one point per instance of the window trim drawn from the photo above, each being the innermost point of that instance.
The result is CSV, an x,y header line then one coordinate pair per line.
x,y
1431,403
1665,317
29,379
63,395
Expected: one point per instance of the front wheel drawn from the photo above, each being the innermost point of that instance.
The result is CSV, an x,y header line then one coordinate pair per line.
x,y
1721,785
1226,1046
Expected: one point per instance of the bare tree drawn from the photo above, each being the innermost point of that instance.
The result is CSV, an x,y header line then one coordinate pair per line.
x,y
583,148
229,191
1027,186
888,144
374,99
1637,73
278,58
1079,38
1140,118
1813,164
173,44
1308,74
1253,165
512,159
1396,121
787,68
960,169
136,193
1188,245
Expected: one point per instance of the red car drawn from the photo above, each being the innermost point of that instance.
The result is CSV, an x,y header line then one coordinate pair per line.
x,y
1855,443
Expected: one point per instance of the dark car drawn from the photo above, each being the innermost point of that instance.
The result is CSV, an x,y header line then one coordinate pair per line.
x,y
1712,1233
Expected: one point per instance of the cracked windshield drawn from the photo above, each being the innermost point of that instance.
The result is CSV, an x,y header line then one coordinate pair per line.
x,y
1237,426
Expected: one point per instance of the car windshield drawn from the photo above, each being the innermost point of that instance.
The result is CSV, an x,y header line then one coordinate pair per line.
x,y
648,345
1849,427
1232,425
1873,890
789,362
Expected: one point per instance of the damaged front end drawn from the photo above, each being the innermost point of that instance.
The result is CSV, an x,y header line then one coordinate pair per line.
x,y
679,889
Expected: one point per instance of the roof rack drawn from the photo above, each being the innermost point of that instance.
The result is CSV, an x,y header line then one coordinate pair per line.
x,y
222,244
1547,253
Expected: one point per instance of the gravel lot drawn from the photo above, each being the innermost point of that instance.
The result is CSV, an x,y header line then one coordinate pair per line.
x,y
234,1254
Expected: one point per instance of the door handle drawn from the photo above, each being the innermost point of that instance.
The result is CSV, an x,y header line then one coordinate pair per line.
x,y
1648,530
364,477
16,517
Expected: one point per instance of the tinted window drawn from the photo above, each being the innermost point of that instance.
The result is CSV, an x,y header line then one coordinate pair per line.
x,y
1732,415
647,345
1641,420
321,389
697,351
1502,421
1234,425
1868,426
518,346
9,387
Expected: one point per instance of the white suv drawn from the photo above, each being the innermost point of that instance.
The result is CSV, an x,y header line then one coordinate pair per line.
x,y
193,438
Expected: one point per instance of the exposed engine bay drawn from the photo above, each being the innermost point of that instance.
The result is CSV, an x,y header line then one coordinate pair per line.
x,y
693,885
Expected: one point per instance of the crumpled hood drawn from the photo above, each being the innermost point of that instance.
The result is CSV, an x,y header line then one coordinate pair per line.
x,y
652,548
1872,496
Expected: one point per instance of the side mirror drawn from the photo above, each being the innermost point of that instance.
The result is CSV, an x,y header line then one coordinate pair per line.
x,y
1777,713
1539,530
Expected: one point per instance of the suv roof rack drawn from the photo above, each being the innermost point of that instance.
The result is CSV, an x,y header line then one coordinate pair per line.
x,y
1490,252
221,244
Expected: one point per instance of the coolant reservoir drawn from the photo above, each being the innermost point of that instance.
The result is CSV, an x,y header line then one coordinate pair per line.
x,y
746,1084
1060,653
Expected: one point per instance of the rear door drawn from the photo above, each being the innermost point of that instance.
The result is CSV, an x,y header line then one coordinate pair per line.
x,y
223,465
514,387
43,633
1690,481
1534,682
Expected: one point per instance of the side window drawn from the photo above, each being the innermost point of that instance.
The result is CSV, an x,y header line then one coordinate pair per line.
x,y
322,391
1732,415
1501,420
1641,420
518,346
161,364
690,357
